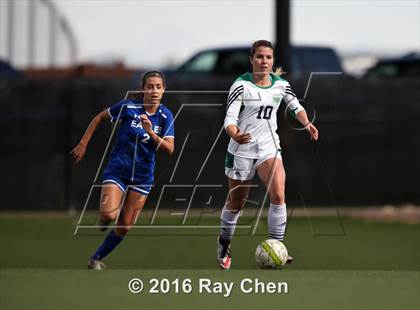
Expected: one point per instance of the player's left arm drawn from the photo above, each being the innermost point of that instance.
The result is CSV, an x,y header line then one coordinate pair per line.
x,y
302,117
298,111
166,143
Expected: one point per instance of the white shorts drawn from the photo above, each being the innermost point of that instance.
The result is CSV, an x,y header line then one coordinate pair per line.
x,y
242,168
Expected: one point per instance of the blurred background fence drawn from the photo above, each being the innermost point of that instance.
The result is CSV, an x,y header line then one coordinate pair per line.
x,y
57,71
367,155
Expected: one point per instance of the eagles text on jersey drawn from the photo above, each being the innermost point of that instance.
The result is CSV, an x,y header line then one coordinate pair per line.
x,y
134,153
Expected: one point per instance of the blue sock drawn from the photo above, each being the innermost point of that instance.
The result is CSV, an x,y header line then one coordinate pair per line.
x,y
109,244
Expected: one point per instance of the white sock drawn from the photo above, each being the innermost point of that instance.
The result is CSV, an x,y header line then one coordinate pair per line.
x,y
277,219
228,222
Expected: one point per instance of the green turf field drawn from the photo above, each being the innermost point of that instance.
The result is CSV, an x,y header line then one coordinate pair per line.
x,y
349,265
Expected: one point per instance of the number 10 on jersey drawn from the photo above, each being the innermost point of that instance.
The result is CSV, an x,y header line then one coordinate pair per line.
x,y
265,112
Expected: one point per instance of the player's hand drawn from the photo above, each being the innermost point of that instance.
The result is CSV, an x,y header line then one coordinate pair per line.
x,y
146,123
78,153
313,131
241,138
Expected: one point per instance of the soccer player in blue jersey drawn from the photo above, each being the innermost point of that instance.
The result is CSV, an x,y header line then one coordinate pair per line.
x,y
146,126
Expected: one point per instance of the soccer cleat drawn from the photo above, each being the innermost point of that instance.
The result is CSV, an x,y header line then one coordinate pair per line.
x,y
224,256
289,259
96,264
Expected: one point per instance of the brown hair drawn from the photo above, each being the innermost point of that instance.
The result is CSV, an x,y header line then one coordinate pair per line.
x,y
279,70
138,95
153,73
259,43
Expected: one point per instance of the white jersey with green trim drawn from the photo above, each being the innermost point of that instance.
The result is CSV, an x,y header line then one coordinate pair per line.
x,y
253,109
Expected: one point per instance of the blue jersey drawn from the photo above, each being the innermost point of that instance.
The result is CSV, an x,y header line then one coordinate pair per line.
x,y
133,157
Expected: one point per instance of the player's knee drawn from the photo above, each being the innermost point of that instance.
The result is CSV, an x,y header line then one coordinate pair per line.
x,y
108,217
236,204
277,198
122,230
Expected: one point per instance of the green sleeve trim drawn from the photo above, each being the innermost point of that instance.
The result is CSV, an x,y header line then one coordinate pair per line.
x,y
292,112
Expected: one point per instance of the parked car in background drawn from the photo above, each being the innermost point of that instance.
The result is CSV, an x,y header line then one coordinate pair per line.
x,y
217,68
407,66
8,71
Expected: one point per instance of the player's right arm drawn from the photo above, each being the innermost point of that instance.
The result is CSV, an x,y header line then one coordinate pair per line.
x,y
235,133
80,149
115,112
234,103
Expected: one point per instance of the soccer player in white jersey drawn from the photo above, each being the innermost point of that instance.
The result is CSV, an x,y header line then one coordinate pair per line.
x,y
254,146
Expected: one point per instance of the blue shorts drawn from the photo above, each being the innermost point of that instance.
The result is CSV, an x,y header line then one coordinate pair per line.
x,y
142,184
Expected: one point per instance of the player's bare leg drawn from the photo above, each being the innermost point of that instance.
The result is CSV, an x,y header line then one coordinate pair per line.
x,y
238,192
133,204
110,204
109,209
272,175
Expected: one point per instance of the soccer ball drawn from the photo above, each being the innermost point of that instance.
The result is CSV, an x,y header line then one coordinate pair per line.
x,y
271,254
